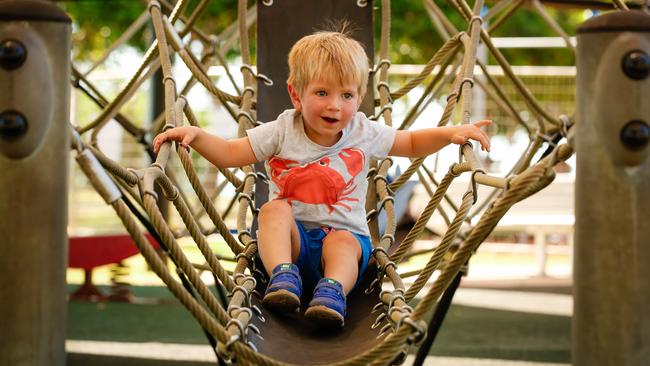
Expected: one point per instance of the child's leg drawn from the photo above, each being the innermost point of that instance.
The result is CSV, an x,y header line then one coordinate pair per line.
x,y
340,259
279,247
341,255
278,239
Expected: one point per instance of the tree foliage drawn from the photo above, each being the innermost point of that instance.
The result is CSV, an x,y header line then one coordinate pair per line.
x,y
414,39
98,24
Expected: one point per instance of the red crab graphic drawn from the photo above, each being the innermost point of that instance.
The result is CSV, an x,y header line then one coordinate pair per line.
x,y
316,182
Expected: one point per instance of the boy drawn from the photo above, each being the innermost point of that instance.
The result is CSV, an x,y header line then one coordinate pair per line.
x,y
317,158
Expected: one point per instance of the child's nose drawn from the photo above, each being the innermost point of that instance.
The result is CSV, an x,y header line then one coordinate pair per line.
x,y
334,104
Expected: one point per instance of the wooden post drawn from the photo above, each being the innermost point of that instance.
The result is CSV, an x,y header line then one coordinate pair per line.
x,y
34,153
280,24
611,322
275,37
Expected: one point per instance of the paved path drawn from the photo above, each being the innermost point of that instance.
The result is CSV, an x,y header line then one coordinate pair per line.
x,y
457,361
527,302
204,354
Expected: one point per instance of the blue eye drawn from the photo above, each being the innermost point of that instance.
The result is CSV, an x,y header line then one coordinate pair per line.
x,y
321,93
348,96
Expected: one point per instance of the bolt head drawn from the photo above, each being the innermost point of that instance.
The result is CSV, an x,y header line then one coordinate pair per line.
x,y
12,54
635,135
636,64
13,124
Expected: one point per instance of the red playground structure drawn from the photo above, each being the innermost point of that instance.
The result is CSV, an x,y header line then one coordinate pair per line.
x,y
88,252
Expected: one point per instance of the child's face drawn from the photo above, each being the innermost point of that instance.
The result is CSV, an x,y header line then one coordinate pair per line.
x,y
326,107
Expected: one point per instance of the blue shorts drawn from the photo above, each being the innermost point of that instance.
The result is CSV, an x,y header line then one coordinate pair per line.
x,y
311,251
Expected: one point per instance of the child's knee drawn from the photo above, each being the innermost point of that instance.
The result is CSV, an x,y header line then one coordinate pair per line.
x,y
342,241
275,208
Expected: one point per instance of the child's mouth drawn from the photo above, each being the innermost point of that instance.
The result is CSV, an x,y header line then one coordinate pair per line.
x,y
330,120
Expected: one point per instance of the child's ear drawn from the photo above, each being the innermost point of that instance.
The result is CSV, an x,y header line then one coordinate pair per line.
x,y
295,97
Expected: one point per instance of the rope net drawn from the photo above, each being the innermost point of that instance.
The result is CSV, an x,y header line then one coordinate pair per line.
x,y
135,194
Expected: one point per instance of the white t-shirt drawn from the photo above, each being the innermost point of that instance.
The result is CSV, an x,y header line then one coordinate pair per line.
x,y
325,185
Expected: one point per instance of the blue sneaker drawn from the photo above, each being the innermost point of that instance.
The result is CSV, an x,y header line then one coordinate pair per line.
x,y
327,308
284,290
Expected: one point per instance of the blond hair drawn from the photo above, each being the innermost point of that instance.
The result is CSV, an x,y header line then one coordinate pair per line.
x,y
330,56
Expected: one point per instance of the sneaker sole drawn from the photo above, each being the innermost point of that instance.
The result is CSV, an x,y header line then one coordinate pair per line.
x,y
324,316
282,301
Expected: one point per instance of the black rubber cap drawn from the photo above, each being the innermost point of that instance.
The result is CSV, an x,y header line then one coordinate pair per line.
x,y
617,21
635,135
32,10
636,64
12,54
13,125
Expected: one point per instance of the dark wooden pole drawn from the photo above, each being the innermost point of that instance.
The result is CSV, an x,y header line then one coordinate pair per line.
x,y
34,156
611,321
280,25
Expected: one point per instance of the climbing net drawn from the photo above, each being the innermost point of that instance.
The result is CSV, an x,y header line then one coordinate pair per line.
x,y
134,193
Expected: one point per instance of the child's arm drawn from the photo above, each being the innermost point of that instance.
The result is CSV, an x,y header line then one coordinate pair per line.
x,y
220,152
429,140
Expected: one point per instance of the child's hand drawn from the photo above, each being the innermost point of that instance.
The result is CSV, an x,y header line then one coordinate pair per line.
x,y
463,133
184,134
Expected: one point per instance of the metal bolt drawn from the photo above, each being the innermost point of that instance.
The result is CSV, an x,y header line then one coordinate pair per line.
x,y
12,54
636,64
635,135
13,124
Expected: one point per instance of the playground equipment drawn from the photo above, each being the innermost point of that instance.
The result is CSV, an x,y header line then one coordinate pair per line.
x,y
88,252
388,333
34,152
234,328
612,258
